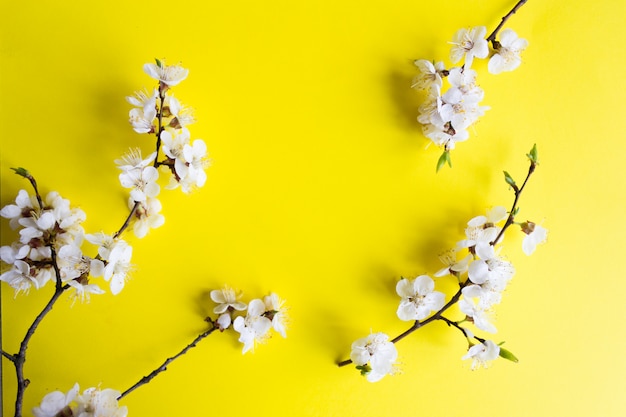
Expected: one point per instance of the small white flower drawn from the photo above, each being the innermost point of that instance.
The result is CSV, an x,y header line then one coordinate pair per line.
x,y
227,299
144,100
452,266
429,74
254,328
191,172
55,402
23,207
482,230
22,277
170,75
142,121
134,160
181,115
480,317
507,56
275,310
482,353
104,242
418,298
118,266
147,216
94,402
377,352
535,234
469,43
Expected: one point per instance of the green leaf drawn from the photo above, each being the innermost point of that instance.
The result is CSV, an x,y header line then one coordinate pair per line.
x,y
508,355
158,62
509,180
365,369
532,155
443,159
22,172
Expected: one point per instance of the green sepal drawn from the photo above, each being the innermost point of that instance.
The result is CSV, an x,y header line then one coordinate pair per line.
x,y
364,369
158,62
443,159
22,172
532,155
509,180
506,354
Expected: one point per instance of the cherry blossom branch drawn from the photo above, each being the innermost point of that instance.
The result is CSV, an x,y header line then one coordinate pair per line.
x,y
492,38
162,90
20,358
419,324
22,172
163,367
127,221
518,191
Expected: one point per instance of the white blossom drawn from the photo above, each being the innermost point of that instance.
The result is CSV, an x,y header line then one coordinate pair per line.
x,y
254,328
142,120
429,74
227,299
376,354
139,175
181,115
418,298
118,265
480,317
23,207
275,310
170,75
507,56
94,402
55,402
469,43
22,277
535,234
147,216
482,353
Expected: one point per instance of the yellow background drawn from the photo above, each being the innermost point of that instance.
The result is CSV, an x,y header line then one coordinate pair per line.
x,y
321,190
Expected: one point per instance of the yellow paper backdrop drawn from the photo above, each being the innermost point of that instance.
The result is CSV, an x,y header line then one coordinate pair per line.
x,y
322,189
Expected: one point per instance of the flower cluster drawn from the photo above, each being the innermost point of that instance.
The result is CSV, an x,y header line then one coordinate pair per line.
x,y
50,234
374,356
482,274
159,112
262,315
93,402
447,112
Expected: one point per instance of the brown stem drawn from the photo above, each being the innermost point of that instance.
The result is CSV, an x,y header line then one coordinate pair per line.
x,y
160,123
128,219
492,37
418,325
518,191
163,367
20,358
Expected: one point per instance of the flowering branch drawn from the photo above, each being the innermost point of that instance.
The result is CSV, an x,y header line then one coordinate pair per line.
x,y
163,367
492,38
51,234
446,115
487,276
418,325
532,156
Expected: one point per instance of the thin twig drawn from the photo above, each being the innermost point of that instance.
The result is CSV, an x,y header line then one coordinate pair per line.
x,y
418,325
127,221
518,191
163,366
492,37
20,357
